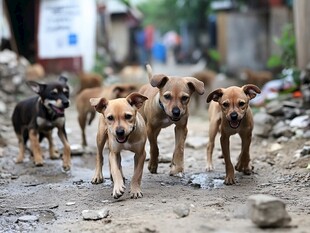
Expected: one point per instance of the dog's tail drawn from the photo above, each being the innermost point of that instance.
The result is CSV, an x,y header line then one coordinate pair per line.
x,y
149,71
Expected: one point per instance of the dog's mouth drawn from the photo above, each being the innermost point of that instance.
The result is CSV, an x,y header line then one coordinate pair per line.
x,y
122,139
57,110
234,124
174,118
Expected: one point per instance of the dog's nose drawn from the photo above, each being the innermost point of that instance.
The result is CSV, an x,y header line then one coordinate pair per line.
x,y
120,132
176,112
65,103
234,116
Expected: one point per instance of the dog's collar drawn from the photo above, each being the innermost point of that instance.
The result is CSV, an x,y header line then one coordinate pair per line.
x,y
161,105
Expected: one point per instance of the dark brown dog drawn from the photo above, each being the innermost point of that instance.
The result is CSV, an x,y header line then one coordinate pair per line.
x,y
87,113
35,117
230,113
167,104
258,78
124,127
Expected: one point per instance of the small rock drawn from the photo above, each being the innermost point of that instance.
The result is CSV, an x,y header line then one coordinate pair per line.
x,y
182,210
28,218
274,147
70,203
300,122
95,214
267,211
263,124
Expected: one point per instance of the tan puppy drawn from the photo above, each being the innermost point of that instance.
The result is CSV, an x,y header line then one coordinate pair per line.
x,y
125,129
258,78
230,115
89,80
167,104
87,113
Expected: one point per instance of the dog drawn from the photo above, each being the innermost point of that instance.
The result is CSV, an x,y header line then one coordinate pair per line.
x,y
207,77
167,104
230,113
258,78
87,112
89,80
35,117
122,125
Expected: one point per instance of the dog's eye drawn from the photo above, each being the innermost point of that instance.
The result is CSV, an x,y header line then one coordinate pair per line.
x,y
128,116
167,96
184,98
241,104
225,105
110,118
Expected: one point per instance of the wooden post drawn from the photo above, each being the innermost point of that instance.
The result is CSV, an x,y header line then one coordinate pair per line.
x,y
301,23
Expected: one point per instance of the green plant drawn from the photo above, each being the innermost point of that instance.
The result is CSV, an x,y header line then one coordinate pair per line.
x,y
287,43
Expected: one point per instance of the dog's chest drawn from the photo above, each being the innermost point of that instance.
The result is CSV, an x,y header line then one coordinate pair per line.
x,y
45,124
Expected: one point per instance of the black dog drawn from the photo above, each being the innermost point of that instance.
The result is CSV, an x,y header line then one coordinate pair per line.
x,y
34,119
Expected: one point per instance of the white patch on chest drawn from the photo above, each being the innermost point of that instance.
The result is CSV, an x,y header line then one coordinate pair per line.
x,y
43,123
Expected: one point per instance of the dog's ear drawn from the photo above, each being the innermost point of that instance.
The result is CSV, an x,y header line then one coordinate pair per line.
x,y
136,99
159,80
196,85
251,90
149,71
118,90
36,87
63,79
215,95
100,104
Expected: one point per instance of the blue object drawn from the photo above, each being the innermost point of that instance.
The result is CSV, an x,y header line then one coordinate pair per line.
x,y
72,39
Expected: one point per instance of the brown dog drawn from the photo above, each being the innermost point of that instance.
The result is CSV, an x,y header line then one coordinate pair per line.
x,y
167,104
125,129
230,115
89,80
258,78
87,112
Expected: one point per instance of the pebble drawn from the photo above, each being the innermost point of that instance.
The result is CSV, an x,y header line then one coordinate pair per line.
x,y
95,214
182,210
28,218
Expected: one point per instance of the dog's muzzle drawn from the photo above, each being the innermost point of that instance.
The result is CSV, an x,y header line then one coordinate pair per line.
x,y
234,122
176,114
120,135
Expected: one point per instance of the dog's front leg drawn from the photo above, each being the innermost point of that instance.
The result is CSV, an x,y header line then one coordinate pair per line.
x,y
135,187
67,151
22,148
119,186
152,133
102,136
213,129
53,153
243,164
35,147
177,163
230,174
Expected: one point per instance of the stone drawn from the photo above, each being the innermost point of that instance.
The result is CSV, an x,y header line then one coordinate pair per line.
x,y
267,211
263,124
281,129
28,218
182,210
300,122
95,214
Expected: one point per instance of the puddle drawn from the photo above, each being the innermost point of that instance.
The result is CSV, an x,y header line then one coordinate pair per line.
x,y
205,181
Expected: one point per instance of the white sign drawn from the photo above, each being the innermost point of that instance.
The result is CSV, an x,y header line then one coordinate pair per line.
x,y
59,22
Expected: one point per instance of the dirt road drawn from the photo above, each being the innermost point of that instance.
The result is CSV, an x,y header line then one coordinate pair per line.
x,y
54,200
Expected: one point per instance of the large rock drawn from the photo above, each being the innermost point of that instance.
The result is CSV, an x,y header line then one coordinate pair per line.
x,y
267,211
95,214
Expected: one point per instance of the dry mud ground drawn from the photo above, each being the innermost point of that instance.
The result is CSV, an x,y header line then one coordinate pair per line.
x,y
46,192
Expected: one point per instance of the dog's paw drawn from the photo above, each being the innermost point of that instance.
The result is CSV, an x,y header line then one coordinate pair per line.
x,y
247,170
176,171
38,163
66,168
209,168
97,179
54,155
229,180
118,191
18,160
152,169
136,193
